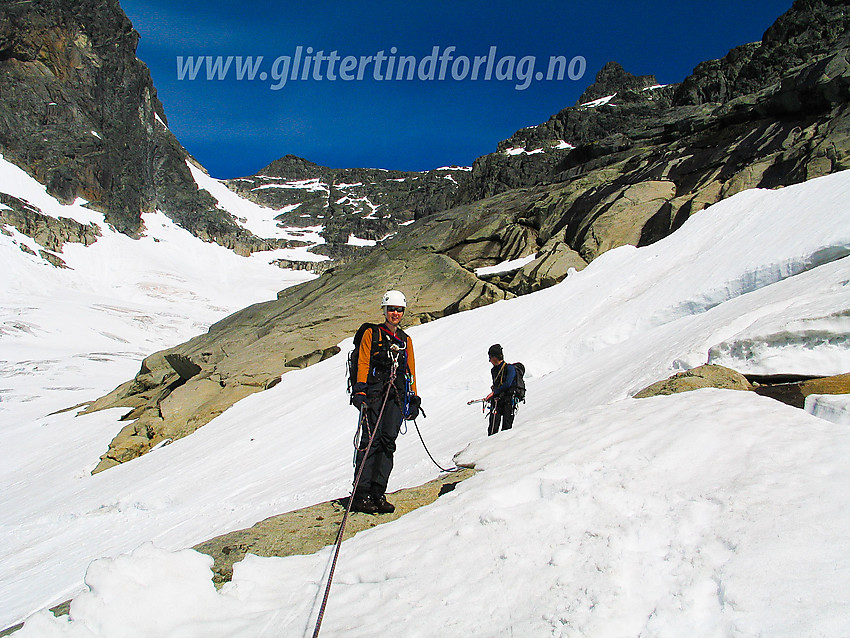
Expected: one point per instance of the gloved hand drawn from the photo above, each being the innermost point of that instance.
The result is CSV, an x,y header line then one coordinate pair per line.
x,y
414,405
359,400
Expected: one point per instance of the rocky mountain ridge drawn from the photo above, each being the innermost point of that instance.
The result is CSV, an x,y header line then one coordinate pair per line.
x,y
356,207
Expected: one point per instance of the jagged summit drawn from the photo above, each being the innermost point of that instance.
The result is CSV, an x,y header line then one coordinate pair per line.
x,y
613,78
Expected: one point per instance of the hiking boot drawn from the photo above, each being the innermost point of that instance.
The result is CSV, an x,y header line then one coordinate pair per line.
x,y
382,505
363,504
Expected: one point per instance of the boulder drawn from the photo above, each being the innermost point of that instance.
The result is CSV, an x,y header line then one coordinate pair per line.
x,y
706,376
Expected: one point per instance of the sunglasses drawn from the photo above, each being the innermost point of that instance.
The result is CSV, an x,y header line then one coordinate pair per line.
x,y
395,309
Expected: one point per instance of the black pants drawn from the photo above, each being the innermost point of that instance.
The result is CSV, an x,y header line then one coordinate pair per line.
x,y
378,463
501,415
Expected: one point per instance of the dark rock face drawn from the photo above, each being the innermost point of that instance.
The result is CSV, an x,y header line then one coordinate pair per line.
x,y
805,31
80,114
613,78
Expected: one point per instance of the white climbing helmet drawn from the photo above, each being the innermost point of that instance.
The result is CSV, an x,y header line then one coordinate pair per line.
x,y
393,298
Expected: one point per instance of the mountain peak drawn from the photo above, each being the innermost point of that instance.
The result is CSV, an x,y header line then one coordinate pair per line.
x,y
292,167
613,78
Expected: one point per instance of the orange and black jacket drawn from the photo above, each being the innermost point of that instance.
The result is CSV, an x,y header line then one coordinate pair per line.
x,y
374,362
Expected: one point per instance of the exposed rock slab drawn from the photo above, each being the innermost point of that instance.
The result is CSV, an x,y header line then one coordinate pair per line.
x,y
308,530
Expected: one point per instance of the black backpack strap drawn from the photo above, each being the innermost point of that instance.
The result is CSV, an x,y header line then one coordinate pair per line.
x,y
377,341
500,375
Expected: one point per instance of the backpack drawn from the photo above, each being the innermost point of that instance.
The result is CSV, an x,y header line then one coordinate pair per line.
x,y
353,356
519,382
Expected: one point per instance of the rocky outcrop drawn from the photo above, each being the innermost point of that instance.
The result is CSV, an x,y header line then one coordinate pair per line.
x,y
789,392
49,232
592,178
79,112
707,376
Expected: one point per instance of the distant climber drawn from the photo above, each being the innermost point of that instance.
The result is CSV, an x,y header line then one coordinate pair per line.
x,y
384,390
502,396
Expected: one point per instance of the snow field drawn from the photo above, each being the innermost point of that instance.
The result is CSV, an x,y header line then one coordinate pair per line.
x,y
708,513
258,219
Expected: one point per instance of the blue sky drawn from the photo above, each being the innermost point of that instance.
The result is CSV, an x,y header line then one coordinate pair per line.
x,y
235,127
